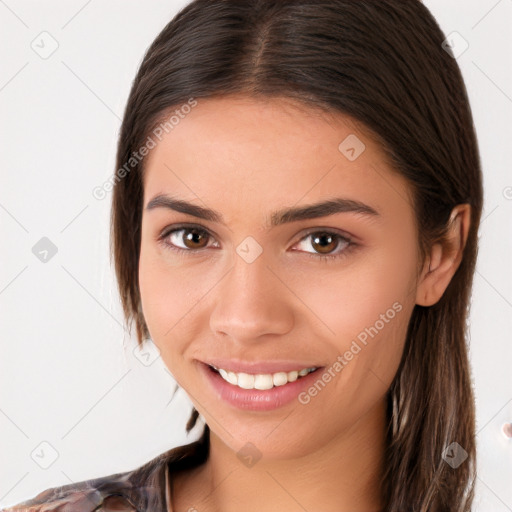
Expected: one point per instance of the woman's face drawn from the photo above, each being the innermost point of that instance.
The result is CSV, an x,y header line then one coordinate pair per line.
x,y
249,285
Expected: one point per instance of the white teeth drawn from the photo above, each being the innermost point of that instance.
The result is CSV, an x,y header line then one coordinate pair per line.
x,y
229,376
293,376
280,379
245,381
262,381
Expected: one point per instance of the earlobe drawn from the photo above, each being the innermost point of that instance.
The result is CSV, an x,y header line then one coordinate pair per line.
x,y
444,258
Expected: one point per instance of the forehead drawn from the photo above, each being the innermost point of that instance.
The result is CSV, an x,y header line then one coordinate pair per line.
x,y
241,152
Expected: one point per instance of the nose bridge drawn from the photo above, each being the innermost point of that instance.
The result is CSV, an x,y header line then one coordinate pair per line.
x,y
250,300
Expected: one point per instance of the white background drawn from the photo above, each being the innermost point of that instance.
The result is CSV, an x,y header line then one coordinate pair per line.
x,y
68,373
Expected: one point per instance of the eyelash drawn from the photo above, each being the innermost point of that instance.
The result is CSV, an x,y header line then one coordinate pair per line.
x,y
322,257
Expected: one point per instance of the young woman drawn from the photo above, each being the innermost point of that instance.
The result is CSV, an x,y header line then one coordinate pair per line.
x,y
294,224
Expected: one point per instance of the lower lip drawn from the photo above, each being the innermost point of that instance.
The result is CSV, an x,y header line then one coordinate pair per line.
x,y
256,399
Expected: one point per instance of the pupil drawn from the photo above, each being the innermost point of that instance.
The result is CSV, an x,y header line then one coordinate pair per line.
x,y
324,237
193,236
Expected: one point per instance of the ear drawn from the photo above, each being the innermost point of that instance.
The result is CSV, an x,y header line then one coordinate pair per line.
x,y
444,258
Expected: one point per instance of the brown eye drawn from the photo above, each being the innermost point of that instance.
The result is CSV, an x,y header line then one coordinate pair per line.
x,y
187,238
324,243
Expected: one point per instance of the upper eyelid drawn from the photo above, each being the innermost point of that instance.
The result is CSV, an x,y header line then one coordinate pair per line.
x,y
180,227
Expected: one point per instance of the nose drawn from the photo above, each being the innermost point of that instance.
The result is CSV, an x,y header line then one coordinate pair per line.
x,y
251,301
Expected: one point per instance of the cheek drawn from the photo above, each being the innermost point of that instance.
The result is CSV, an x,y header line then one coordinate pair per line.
x,y
351,298
365,309
170,295
160,292
162,296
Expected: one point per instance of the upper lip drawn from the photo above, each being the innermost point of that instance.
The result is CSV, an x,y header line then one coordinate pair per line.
x,y
260,367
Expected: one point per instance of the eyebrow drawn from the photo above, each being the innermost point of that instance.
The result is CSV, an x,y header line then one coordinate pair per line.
x,y
286,215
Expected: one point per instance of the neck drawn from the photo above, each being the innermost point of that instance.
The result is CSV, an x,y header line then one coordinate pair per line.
x,y
344,475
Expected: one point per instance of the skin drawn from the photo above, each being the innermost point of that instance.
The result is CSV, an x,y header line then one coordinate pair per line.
x,y
247,158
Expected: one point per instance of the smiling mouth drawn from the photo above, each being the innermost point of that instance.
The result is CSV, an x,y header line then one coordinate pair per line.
x,y
261,381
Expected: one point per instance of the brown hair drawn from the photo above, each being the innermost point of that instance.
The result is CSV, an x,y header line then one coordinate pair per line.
x,y
382,63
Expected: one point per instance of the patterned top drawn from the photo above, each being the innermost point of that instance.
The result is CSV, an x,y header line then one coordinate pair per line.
x,y
147,488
